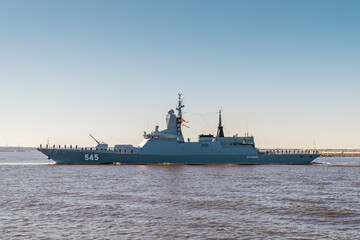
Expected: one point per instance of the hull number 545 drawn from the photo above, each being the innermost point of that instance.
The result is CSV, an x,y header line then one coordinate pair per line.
x,y
91,157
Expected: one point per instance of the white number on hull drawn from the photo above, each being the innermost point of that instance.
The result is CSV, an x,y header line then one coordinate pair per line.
x,y
91,157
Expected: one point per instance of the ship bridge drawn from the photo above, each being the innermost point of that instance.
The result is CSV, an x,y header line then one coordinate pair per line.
x,y
170,133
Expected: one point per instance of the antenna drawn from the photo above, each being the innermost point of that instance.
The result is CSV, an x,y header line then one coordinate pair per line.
x,y
94,139
247,128
220,132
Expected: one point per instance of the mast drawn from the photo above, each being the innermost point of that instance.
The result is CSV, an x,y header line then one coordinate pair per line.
x,y
220,131
180,137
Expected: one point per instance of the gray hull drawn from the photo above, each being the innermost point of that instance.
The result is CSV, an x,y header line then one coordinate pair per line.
x,y
72,156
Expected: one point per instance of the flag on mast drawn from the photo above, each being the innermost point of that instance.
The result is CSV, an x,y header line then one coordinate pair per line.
x,y
184,120
185,125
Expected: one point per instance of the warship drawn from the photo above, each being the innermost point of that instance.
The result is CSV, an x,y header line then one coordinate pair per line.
x,y
168,147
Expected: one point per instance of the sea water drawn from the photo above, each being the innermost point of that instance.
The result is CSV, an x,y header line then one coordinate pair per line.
x,y
42,200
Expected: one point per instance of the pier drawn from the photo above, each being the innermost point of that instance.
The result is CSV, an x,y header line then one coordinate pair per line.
x,y
322,152
339,152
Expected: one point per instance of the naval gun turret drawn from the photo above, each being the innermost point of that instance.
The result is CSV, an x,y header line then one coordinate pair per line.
x,y
99,145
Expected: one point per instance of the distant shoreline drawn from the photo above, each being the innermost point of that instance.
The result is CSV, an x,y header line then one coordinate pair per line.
x,y
339,153
17,149
332,152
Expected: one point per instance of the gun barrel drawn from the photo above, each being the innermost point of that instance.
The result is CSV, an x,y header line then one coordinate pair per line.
x,y
94,139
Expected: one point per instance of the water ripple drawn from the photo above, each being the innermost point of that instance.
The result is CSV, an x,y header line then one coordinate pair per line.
x,y
41,200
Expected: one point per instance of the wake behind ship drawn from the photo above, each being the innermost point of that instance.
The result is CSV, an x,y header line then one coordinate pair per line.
x,y
168,147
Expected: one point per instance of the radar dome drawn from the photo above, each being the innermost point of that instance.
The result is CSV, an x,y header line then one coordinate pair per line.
x,y
171,111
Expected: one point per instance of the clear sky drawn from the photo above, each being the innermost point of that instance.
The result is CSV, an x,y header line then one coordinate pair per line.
x,y
289,70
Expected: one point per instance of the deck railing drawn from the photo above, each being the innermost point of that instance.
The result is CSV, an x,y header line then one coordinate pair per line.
x,y
288,151
76,147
